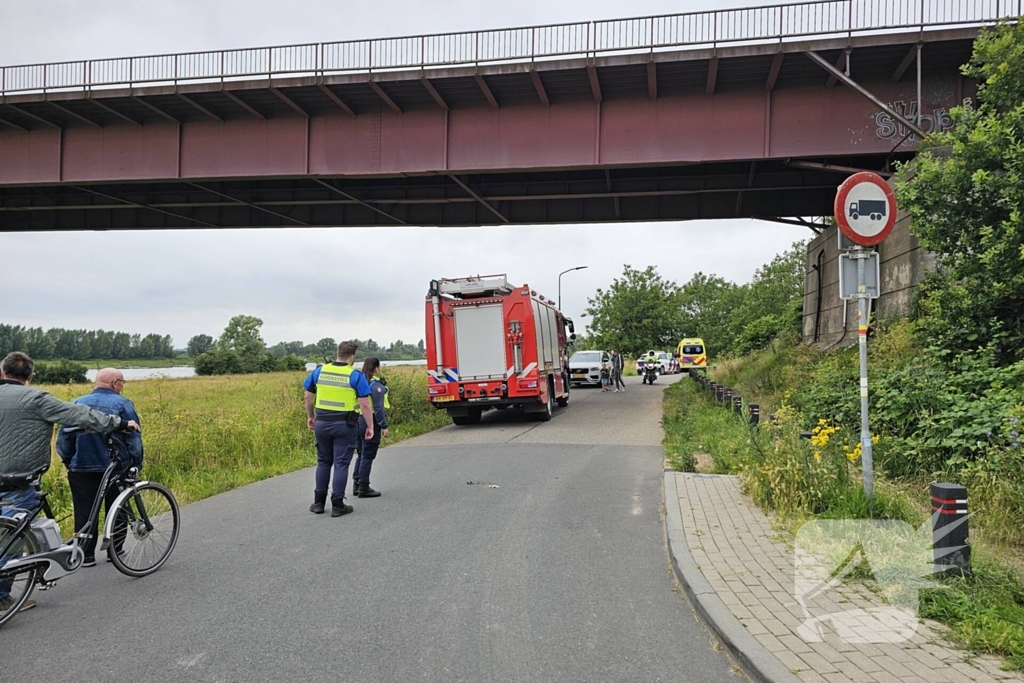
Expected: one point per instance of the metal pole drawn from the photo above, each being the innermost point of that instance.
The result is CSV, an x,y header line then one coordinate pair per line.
x,y
867,465
569,270
920,114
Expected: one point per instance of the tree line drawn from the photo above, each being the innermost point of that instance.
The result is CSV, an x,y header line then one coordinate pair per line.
x,y
58,342
641,310
241,349
324,348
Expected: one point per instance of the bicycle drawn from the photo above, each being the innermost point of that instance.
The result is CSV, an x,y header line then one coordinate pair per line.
x,y
139,533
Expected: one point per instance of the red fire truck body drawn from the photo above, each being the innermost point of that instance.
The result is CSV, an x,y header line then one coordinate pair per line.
x,y
491,345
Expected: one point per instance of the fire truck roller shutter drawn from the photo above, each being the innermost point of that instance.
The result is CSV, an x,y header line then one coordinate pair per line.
x,y
540,321
553,338
480,342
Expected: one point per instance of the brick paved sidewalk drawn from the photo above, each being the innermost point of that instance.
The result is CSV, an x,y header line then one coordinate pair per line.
x,y
752,571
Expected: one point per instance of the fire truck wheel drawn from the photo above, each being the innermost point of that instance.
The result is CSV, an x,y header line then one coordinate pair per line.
x,y
549,406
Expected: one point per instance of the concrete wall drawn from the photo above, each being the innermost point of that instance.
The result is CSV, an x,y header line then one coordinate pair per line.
x,y
903,265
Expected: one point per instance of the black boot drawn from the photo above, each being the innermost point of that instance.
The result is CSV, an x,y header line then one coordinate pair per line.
x,y
319,501
356,488
338,507
366,492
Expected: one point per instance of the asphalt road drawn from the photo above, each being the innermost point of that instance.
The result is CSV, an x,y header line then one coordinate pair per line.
x,y
560,573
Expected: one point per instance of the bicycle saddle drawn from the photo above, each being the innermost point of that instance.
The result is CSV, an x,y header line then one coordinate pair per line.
x,y
19,480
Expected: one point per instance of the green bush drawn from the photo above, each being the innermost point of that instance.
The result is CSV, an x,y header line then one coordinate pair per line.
x,y
290,363
62,372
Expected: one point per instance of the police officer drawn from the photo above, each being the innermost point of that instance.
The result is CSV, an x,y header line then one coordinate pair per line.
x,y
368,448
336,394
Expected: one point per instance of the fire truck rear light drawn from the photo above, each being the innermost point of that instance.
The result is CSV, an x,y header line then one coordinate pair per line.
x,y
530,385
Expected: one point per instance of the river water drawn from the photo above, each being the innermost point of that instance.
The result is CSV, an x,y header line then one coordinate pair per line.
x,y
188,371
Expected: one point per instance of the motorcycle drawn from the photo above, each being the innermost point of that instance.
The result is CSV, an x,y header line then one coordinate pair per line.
x,y
650,372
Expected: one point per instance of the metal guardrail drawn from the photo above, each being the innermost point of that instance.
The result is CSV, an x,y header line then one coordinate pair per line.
x,y
817,18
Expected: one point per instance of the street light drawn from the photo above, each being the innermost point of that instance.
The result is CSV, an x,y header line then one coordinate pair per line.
x,y
560,283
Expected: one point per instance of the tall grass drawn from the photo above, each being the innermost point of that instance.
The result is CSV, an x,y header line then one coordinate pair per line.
x,y
206,435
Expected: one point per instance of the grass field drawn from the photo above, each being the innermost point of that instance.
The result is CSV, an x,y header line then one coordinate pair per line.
x,y
207,435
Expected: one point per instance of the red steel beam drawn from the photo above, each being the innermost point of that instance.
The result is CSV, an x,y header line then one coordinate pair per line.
x,y
384,96
538,84
244,105
480,199
189,100
14,125
111,110
773,74
840,64
433,93
486,90
155,109
334,98
595,84
290,102
357,200
40,119
905,64
712,75
72,114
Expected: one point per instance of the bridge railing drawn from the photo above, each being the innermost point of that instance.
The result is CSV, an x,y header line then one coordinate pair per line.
x,y
801,20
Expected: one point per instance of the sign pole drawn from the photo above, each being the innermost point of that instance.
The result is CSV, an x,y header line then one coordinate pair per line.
x,y
865,211
863,303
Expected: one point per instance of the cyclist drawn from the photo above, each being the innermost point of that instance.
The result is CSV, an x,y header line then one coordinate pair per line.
x,y
27,417
86,456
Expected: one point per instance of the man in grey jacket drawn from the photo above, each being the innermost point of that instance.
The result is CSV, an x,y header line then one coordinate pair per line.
x,y
27,417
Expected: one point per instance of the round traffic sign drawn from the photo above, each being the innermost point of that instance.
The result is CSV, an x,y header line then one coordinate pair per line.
x,y
865,208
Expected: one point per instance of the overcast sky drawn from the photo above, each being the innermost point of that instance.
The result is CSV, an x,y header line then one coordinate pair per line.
x,y
188,282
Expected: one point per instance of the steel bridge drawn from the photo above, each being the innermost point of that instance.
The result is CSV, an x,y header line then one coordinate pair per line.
x,y
756,112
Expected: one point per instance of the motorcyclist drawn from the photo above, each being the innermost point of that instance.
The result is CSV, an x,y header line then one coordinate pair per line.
x,y
651,358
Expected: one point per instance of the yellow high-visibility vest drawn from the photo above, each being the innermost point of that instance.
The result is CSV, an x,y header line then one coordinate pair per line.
x,y
334,390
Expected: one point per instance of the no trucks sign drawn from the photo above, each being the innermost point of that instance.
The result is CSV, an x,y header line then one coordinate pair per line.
x,y
865,209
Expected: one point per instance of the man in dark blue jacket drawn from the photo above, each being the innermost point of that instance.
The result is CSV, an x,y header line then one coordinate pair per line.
x,y
85,454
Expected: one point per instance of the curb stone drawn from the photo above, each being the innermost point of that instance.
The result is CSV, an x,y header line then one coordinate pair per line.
x,y
753,657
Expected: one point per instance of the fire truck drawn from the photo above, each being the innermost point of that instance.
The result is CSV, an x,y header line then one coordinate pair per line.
x,y
494,346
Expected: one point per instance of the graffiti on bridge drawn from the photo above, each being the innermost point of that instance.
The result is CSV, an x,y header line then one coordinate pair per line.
x,y
889,128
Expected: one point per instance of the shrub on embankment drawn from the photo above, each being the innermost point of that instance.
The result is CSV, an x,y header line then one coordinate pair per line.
x,y
920,411
207,435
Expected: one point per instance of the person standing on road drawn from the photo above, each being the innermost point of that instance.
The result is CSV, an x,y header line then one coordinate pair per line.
x,y
27,417
336,394
617,367
86,456
368,447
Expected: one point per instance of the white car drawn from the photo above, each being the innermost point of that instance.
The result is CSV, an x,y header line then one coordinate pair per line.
x,y
585,367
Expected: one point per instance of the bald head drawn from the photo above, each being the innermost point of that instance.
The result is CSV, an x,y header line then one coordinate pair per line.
x,y
110,378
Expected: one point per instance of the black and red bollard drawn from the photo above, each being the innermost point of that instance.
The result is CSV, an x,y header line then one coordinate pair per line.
x,y
737,405
949,529
754,413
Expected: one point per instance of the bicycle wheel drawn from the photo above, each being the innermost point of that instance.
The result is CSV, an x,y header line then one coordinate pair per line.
x,y
19,585
145,530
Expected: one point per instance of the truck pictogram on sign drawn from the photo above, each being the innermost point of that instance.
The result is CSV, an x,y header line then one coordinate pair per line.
x,y
872,208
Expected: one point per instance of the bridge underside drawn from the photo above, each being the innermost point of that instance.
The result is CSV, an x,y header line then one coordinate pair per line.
x,y
759,189
754,131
